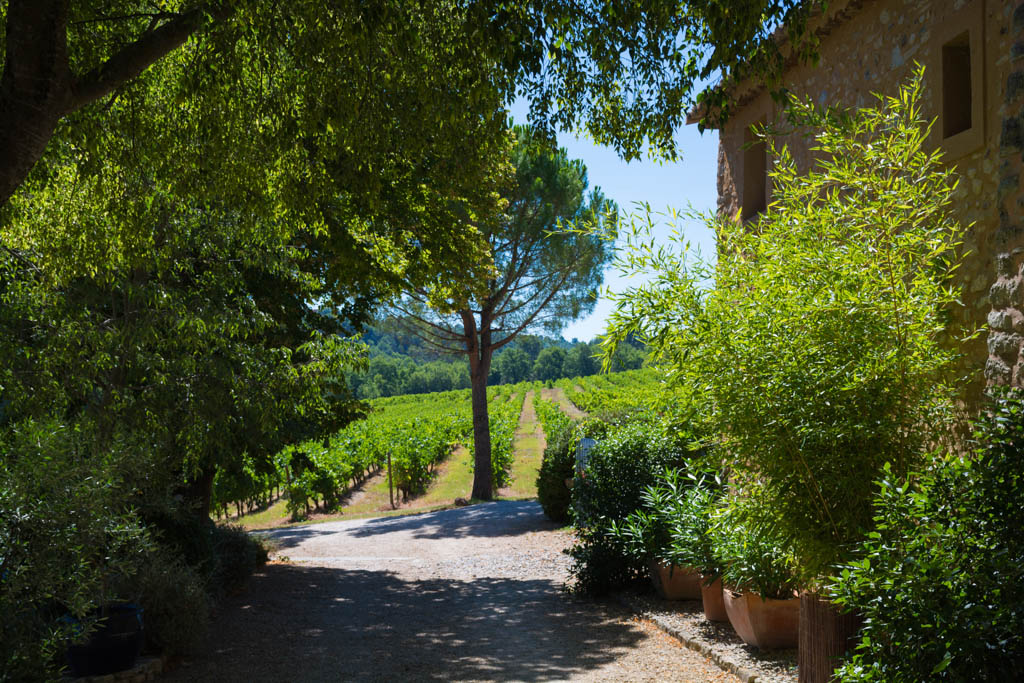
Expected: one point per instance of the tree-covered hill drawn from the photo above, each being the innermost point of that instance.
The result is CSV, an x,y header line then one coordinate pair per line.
x,y
400,363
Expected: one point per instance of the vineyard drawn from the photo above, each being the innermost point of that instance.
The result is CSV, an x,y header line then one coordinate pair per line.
x,y
616,393
418,432
415,433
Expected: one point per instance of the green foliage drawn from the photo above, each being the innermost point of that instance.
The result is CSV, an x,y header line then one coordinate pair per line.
x,y
558,464
503,421
511,365
752,558
629,72
548,365
940,581
65,543
628,458
237,554
617,395
819,350
175,603
684,504
400,363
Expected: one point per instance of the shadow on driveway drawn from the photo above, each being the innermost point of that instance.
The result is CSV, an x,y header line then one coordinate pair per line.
x,y
299,623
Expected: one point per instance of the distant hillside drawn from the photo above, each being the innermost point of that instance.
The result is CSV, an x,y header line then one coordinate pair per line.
x,y
400,363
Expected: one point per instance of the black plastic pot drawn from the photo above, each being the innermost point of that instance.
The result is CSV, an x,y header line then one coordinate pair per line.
x,y
113,646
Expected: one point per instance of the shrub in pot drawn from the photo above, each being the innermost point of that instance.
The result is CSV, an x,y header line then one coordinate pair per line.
x,y
659,532
760,584
692,538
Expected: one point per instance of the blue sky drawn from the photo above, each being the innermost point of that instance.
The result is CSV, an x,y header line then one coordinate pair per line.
x,y
689,182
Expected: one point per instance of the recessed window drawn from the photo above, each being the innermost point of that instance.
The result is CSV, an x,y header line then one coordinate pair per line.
x,y
956,86
755,174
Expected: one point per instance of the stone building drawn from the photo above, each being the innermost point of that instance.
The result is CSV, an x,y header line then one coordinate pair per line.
x,y
973,53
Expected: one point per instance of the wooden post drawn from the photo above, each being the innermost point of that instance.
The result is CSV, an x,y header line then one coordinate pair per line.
x,y
826,635
391,493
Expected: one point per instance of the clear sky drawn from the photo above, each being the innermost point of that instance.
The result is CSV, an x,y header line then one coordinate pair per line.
x,y
687,183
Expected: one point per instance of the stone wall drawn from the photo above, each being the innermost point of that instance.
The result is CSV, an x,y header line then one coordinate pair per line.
x,y
1006,319
872,46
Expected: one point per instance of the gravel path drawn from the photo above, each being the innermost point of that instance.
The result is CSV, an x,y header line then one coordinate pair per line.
x,y
467,594
685,619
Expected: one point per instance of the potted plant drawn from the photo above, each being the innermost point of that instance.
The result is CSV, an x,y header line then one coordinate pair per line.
x,y
648,535
692,540
760,584
109,637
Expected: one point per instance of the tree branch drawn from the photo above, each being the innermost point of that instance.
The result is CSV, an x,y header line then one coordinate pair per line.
x,y
530,318
136,57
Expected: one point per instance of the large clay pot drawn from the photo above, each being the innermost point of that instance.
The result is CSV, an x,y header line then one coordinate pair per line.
x,y
675,583
113,646
714,605
765,624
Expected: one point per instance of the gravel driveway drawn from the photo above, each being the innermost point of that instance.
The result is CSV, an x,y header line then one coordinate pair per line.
x,y
466,594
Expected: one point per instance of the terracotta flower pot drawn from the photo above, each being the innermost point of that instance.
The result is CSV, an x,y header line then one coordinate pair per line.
x,y
765,624
714,605
675,583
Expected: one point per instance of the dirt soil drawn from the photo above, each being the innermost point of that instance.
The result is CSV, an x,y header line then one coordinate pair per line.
x,y
470,594
557,394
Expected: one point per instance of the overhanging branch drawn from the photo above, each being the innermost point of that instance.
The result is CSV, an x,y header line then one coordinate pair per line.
x,y
138,56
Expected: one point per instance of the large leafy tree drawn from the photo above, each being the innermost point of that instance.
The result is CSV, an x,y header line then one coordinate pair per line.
x,y
630,71
627,71
545,274
176,263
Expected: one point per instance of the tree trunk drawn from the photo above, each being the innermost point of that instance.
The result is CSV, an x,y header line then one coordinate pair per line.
x,y
482,471
199,491
35,89
826,634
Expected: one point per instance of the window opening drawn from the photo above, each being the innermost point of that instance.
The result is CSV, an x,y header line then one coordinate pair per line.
x,y
755,174
956,86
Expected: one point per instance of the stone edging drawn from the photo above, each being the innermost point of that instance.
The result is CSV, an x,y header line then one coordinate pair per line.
x,y
732,667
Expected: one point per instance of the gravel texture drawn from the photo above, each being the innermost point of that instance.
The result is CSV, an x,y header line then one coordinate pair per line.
x,y
684,619
468,594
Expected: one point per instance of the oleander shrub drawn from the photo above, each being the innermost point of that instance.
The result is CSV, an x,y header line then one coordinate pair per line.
x,y
940,580
677,523
627,458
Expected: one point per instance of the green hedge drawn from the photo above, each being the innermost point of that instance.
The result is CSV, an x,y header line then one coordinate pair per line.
x,y
940,582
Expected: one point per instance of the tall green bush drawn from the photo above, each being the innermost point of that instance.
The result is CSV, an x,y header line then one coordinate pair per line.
x,y
940,581
559,459
627,459
818,349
